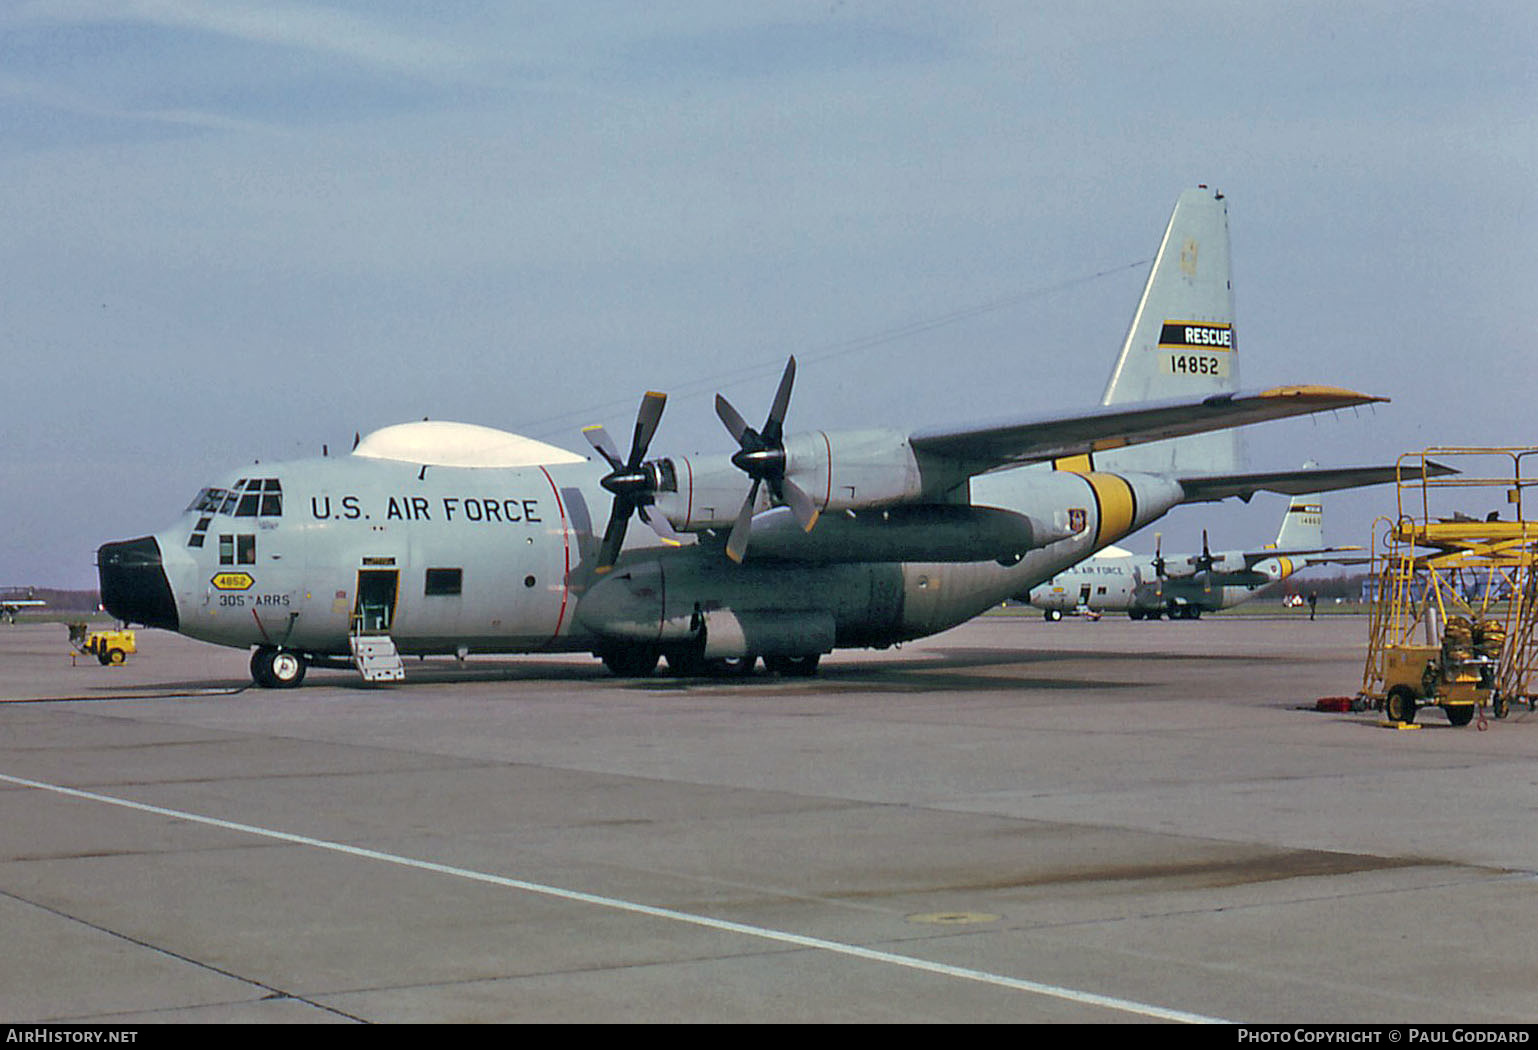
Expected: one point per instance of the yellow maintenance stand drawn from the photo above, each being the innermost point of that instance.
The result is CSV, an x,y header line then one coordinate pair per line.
x,y
1452,622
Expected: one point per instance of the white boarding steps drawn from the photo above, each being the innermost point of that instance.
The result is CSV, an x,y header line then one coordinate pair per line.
x,y
375,657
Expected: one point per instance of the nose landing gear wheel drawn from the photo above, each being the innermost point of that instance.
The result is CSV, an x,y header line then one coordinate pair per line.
x,y
277,668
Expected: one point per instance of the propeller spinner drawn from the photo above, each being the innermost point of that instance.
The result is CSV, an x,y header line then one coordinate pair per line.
x,y
631,482
1205,561
761,455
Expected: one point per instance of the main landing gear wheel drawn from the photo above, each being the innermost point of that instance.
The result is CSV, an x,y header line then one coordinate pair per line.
x,y
631,662
794,666
692,663
277,668
732,666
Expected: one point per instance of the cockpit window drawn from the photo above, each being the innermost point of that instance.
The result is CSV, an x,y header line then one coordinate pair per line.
x,y
272,498
250,498
208,501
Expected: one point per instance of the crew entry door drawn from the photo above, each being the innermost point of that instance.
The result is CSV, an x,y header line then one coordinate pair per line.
x,y
374,610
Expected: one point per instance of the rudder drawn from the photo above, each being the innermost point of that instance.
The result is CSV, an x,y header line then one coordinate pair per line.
x,y
1303,524
1181,341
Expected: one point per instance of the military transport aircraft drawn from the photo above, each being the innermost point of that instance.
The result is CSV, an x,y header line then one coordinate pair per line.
x,y
444,538
1183,586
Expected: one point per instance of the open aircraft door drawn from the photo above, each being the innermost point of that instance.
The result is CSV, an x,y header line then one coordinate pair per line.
x,y
374,608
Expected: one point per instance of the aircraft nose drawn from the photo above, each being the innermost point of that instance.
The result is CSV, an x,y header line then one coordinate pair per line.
x,y
134,587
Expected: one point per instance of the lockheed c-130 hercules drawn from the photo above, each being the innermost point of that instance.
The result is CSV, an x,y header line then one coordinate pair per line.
x,y
1183,586
447,538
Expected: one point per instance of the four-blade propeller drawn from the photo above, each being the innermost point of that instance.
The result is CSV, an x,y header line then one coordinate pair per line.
x,y
761,455
1205,560
634,485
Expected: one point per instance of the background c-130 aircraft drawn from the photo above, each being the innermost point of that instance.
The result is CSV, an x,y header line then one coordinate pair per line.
x,y
1183,586
14,599
442,538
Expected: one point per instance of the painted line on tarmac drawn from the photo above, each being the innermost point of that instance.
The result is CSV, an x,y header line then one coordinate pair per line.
x,y
181,694
760,932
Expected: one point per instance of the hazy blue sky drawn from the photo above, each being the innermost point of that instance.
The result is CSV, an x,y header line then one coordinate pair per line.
x,y
238,230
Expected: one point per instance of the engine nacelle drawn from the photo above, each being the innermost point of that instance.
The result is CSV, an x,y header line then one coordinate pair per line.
x,y
1228,562
839,470
854,469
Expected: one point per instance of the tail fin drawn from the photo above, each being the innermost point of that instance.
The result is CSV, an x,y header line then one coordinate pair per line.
x,y
1302,525
1181,342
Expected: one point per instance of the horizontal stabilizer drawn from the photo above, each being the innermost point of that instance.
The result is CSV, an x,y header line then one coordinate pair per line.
x,y
1295,482
1000,446
1311,556
1340,556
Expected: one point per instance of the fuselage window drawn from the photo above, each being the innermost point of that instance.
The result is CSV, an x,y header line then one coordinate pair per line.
x,y
445,581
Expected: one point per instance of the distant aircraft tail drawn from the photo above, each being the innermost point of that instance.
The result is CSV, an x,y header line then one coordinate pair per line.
x,y
1302,525
1181,342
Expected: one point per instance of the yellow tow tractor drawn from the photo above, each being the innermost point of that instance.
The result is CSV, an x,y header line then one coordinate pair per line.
x,y
1453,619
109,647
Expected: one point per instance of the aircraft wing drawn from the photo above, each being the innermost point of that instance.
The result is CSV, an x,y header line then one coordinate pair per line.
x,y
1359,558
1309,556
985,448
1302,482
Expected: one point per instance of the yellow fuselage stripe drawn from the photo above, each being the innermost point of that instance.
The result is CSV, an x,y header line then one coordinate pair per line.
x,y
1116,506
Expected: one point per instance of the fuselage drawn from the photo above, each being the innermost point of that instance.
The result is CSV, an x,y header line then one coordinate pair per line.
x,y
1119,581
297,556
